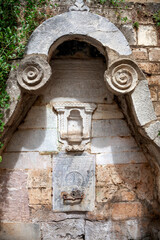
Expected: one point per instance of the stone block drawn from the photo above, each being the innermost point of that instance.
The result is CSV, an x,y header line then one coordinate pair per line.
x,y
40,117
136,229
67,229
39,196
134,177
116,17
157,141
113,144
158,186
116,230
73,177
44,213
120,158
122,211
154,93
70,78
103,176
13,91
125,195
155,151
147,35
150,68
100,212
111,188
110,128
142,105
39,178
107,111
33,140
157,108
152,130
14,196
155,229
154,54
106,194
140,54
20,231
25,160
154,80
102,230
129,32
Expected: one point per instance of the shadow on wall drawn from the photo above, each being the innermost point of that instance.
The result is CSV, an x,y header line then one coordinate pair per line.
x,y
22,154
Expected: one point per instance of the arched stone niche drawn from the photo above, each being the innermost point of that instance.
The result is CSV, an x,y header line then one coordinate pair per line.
x,y
123,77
126,82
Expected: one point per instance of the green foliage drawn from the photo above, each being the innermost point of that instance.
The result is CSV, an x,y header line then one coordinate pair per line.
x,y
124,19
118,5
156,17
115,3
136,25
17,22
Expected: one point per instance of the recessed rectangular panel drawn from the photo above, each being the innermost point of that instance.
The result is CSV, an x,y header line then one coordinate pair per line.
x,y
73,182
76,80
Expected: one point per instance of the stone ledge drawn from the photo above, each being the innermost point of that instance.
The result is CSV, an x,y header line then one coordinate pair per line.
x,y
19,231
72,228
25,160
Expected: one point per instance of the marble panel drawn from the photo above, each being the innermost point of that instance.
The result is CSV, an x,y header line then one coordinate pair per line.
x,y
43,140
77,80
73,182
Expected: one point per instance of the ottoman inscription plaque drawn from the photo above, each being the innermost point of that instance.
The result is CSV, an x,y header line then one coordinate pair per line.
x,y
73,182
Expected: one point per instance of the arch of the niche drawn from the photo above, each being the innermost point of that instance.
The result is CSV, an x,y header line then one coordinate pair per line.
x,y
86,24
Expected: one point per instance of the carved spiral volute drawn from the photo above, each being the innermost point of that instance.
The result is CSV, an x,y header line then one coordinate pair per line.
x,y
121,78
33,73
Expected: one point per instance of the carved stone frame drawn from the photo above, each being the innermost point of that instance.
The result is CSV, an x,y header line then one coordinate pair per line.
x,y
77,143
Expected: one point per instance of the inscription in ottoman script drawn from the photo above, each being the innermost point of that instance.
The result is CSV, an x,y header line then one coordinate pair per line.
x,y
73,182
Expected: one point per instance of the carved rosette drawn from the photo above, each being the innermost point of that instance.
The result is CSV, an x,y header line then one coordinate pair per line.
x,y
121,78
33,73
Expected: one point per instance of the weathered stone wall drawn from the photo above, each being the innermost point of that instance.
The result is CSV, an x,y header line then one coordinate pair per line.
x,y
126,204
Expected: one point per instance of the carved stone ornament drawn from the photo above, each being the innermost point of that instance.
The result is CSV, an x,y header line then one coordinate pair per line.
x,y
121,78
33,73
79,6
74,124
73,182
